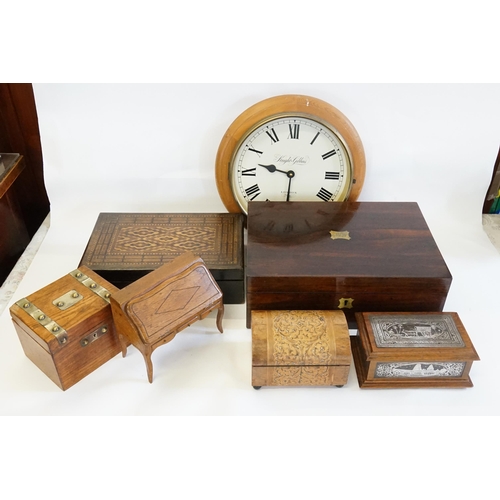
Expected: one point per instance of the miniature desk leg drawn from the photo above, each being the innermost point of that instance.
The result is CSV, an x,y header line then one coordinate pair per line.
x,y
220,314
123,344
146,353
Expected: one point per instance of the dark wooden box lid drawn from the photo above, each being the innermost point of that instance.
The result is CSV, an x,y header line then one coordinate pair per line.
x,y
300,338
415,336
124,247
324,246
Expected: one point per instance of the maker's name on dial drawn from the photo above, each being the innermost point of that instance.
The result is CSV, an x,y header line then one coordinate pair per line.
x,y
291,160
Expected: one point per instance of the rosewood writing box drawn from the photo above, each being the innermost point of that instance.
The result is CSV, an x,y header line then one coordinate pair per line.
x,y
67,328
300,348
124,247
353,256
430,349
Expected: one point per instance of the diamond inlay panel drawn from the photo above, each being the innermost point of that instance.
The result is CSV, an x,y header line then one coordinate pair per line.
x,y
146,241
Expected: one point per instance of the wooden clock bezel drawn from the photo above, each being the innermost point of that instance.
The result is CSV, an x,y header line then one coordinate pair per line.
x,y
289,104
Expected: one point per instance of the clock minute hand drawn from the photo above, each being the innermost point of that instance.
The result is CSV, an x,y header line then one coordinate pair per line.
x,y
272,168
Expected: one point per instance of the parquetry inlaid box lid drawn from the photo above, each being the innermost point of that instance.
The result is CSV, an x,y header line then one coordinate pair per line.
x,y
438,336
126,242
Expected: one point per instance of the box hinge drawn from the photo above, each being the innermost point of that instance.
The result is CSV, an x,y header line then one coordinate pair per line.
x,y
50,325
91,284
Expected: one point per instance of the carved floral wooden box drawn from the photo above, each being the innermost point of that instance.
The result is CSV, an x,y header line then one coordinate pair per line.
x,y
300,348
352,256
66,328
430,349
124,247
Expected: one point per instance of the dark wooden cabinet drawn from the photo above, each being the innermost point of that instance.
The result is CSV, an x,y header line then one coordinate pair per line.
x,y
24,203
14,233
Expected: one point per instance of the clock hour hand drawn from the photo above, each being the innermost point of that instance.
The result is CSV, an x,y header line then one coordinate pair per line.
x,y
272,168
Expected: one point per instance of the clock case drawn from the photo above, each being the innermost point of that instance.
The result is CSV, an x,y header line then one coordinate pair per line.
x,y
353,256
125,247
286,105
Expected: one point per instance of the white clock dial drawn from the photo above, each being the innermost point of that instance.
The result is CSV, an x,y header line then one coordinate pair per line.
x,y
291,158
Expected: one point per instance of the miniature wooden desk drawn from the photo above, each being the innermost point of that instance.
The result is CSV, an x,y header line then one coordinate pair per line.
x,y
151,311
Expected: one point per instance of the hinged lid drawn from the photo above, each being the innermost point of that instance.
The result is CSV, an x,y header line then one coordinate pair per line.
x,y
327,247
53,311
303,338
435,336
127,246
168,298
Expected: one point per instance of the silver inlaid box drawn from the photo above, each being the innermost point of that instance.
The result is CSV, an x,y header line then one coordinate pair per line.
x,y
412,350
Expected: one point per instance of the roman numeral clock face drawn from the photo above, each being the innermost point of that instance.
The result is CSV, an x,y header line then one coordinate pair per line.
x,y
291,159
289,148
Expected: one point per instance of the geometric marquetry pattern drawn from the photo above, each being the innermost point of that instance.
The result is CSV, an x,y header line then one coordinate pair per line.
x,y
164,239
148,240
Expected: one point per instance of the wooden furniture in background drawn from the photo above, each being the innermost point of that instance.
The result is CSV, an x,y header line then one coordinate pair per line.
x,y
14,235
300,348
152,310
491,203
28,202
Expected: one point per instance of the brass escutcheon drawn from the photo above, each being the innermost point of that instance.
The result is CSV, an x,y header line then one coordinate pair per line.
x,y
346,303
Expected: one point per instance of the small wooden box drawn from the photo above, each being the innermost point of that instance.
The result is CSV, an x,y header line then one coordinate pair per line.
x,y
300,348
394,350
67,328
124,247
152,310
353,256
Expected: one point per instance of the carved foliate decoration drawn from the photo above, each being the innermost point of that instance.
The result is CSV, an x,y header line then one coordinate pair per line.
x,y
301,338
302,375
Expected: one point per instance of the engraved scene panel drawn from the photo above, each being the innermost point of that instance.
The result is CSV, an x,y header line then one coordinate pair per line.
x,y
420,331
419,369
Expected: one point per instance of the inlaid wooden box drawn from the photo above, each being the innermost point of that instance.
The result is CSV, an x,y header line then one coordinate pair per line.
x,y
350,256
124,247
300,348
67,328
428,349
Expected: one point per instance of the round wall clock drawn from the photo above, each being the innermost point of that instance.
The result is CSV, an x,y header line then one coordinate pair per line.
x,y
289,148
